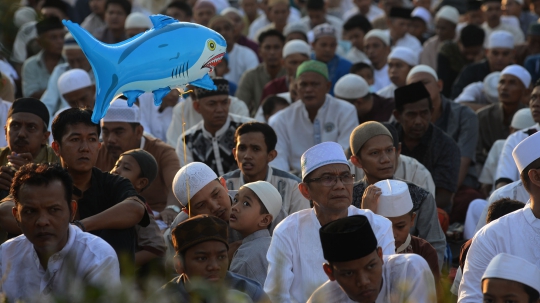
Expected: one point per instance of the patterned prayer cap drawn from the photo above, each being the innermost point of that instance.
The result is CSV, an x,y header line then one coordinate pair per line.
x,y
199,229
313,66
222,89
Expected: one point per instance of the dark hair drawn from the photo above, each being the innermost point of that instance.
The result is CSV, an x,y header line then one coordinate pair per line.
x,y
534,295
59,4
393,132
70,117
183,6
537,83
358,21
269,104
270,137
271,33
360,66
315,5
502,207
472,35
126,6
42,174
525,174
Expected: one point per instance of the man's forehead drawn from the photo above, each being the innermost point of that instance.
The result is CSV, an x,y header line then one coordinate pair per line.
x,y
81,128
208,247
380,141
217,98
331,168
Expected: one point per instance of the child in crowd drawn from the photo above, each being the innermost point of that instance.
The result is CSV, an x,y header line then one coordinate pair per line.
x,y
255,206
140,167
273,104
223,68
365,71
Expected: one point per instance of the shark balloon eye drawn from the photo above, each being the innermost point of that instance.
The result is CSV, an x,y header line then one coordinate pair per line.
x,y
211,45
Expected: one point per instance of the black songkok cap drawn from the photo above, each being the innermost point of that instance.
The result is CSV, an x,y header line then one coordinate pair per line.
x,y
199,229
48,24
222,89
347,239
473,5
400,12
409,94
30,105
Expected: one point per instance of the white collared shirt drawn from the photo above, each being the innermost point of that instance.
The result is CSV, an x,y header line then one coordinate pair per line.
x,y
241,59
381,78
387,91
85,259
335,121
295,256
408,41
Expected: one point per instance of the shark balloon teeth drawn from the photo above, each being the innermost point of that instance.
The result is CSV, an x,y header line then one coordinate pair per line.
x,y
168,56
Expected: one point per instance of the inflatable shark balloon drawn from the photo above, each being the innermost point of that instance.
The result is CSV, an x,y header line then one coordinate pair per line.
x,y
168,56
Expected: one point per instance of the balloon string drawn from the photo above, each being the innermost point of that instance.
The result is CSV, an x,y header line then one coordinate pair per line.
x,y
185,153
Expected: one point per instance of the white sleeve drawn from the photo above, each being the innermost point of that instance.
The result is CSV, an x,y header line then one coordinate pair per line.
x,y
238,107
382,228
478,258
280,276
51,95
422,290
282,147
175,129
506,168
347,122
105,272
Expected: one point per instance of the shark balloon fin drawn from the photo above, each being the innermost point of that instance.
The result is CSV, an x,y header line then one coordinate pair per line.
x,y
132,96
205,82
160,21
159,94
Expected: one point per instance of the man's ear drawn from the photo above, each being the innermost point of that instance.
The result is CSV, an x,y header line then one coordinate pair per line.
x,y
396,115
56,147
234,153
74,207
223,183
271,156
139,130
303,187
534,176
141,183
178,266
196,105
46,138
379,253
329,271
356,161
413,216
15,213
266,220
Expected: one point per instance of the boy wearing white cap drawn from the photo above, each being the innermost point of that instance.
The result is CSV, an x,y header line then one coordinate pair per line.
x,y
500,236
295,254
377,48
76,87
506,169
508,277
255,206
400,61
446,21
495,119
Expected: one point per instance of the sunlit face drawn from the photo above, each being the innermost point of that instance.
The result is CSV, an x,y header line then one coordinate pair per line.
x,y
213,199
376,51
511,89
127,167
119,137
246,212
534,104
26,133
270,51
214,110
312,88
83,97
252,154
292,61
377,158
330,199
78,148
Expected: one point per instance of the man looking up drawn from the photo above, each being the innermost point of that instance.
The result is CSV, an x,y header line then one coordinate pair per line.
x,y
319,117
400,61
122,131
377,48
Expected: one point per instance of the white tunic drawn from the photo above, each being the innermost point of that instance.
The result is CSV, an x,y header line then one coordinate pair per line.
x,y
241,59
381,78
506,167
295,256
387,91
335,121
517,234
356,56
155,122
4,109
408,41
406,278
487,176
84,259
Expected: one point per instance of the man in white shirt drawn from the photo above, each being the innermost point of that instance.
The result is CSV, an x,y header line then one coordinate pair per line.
x,y
349,246
500,236
492,14
295,254
377,48
399,20
319,117
52,254
400,61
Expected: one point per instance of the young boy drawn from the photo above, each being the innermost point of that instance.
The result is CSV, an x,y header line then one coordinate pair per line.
x,y
223,68
365,71
395,203
255,206
140,167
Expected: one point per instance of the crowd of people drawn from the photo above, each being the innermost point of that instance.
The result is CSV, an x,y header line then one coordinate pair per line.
x,y
352,151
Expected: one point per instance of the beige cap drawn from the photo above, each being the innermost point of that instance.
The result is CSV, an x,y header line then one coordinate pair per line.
x,y
365,131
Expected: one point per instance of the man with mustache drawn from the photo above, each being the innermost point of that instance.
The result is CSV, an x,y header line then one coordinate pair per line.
x,y
27,137
122,131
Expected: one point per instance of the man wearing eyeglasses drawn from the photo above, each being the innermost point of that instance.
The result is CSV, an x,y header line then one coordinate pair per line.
x,y
372,146
295,254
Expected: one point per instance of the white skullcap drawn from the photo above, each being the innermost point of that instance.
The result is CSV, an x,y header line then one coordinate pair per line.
x,y
448,13
395,199
378,33
522,119
422,69
526,152
518,71
138,20
197,174
422,13
500,39
491,82
119,111
70,43
404,54
320,155
73,80
231,9
351,87
24,15
296,47
269,196
513,268
294,28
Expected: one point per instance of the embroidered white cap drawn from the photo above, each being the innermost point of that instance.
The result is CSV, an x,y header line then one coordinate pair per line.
x,y
520,72
422,13
395,199
526,152
422,69
137,20
500,39
120,111
380,34
269,196
296,47
513,268
73,80
195,175
404,54
320,155
351,87
522,119
448,13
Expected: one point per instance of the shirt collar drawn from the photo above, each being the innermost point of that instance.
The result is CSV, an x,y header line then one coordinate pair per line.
x,y
531,219
220,132
268,176
323,107
256,235
53,262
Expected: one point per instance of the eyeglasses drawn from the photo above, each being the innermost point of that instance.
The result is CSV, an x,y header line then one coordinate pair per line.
x,y
331,180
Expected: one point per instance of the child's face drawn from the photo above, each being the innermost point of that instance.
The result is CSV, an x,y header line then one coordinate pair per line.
x,y
246,212
127,167
502,290
401,226
221,69
367,74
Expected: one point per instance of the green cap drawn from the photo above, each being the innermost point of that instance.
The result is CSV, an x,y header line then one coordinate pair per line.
x,y
313,66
